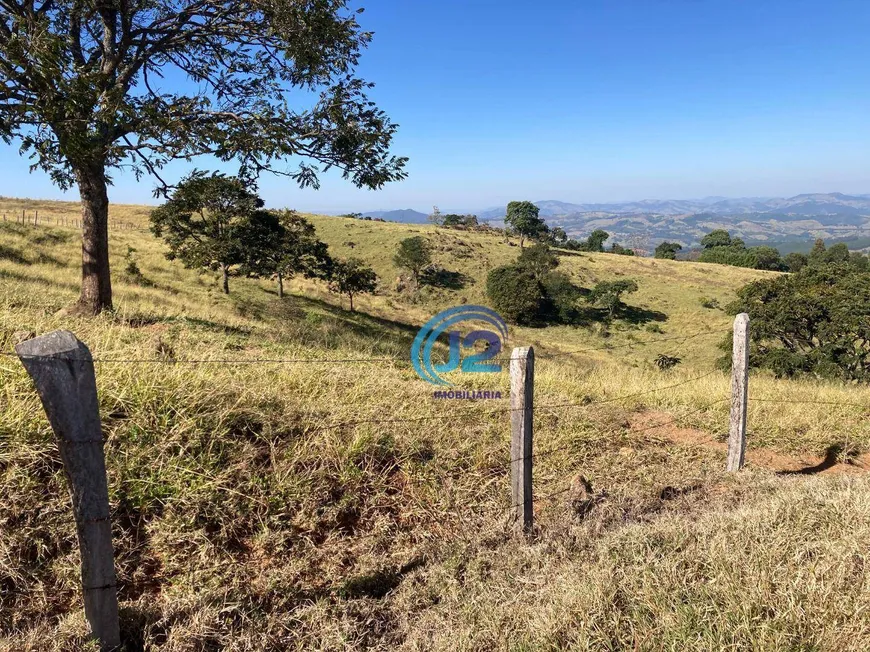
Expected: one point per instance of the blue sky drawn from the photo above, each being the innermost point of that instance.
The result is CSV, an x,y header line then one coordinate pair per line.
x,y
598,100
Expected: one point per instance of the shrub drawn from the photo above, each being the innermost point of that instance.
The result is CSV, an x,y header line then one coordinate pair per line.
x,y
515,294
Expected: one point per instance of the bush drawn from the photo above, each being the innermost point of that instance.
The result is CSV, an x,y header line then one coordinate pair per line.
x,y
515,294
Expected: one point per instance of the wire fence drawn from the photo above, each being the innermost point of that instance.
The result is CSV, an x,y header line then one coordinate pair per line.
x,y
33,218
479,505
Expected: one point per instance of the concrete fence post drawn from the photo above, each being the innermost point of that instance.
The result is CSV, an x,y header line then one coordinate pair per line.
x,y
739,393
63,372
522,375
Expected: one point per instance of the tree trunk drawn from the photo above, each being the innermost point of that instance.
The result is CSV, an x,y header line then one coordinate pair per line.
x,y
351,302
522,241
280,286
96,294
225,272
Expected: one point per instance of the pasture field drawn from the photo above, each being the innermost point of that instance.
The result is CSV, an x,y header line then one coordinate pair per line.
x,y
324,501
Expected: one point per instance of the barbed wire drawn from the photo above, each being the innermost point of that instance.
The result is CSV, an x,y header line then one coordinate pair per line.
x,y
402,359
806,402
535,499
508,410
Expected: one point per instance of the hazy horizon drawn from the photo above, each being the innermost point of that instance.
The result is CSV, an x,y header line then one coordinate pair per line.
x,y
604,102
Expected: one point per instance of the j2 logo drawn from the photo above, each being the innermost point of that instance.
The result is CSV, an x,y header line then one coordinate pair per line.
x,y
444,322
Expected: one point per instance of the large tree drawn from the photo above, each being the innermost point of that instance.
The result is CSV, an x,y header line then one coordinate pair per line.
x,y
522,217
88,86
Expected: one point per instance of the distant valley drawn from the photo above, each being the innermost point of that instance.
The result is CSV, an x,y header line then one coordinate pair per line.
x,y
786,221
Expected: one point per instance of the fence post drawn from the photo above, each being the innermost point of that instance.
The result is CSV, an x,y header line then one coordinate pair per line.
x,y
63,372
739,393
522,373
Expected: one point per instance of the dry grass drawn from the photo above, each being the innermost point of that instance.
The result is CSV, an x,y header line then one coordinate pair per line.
x,y
247,517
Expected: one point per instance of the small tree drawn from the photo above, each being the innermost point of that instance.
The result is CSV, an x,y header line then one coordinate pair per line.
x,y
522,217
351,277
207,222
608,295
436,217
668,250
595,241
814,321
558,237
283,244
413,255
539,260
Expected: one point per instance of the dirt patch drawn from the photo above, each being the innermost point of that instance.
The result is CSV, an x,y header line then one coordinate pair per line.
x,y
800,464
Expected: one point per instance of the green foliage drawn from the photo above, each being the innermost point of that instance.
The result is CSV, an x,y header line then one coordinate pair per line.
x,y
81,99
211,222
595,241
413,254
721,248
561,296
282,244
80,91
558,237
538,259
351,277
796,261
454,220
820,256
608,295
711,304
717,238
816,321
668,250
515,294
522,217
618,249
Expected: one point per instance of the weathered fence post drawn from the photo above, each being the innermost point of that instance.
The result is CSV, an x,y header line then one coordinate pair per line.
x,y
739,393
63,372
522,373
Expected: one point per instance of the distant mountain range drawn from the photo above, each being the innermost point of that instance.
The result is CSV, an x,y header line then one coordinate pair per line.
x,y
769,220
407,215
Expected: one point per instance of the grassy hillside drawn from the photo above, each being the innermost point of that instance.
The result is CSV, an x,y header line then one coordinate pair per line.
x,y
325,504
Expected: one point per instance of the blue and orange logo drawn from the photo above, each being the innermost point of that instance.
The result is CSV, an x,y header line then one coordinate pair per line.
x,y
444,322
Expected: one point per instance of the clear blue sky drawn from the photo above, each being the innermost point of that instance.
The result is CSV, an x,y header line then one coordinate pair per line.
x,y
598,100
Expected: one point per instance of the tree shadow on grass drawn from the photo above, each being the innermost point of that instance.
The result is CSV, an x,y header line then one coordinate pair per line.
x,y
446,279
13,256
312,316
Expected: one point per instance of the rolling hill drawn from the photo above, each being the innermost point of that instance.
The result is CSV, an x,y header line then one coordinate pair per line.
x,y
280,478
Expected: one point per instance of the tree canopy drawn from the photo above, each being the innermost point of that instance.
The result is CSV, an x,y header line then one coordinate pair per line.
x,y
82,89
413,254
352,277
282,244
815,321
213,222
668,250
522,217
